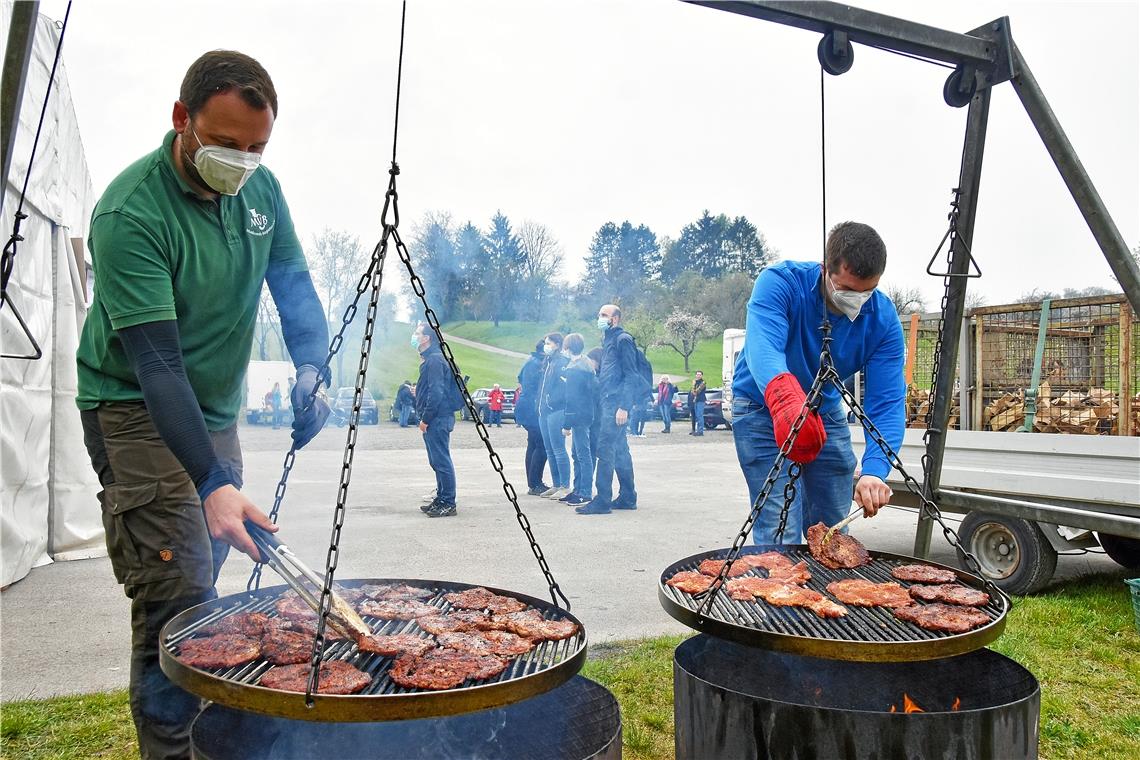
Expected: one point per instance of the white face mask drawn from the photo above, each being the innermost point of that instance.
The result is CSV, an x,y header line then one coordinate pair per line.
x,y
849,302
225,170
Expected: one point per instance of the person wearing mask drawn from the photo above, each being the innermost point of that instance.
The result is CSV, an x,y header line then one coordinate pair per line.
x,y
495,401
581,390
526,414
618,384
183,241
780,358
697,398
665,392
435,392
551,411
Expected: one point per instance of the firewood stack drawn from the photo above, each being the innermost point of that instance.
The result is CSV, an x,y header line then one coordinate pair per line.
x,y
918,405
1092,412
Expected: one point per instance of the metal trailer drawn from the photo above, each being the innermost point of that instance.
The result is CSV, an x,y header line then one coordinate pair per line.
x,y
984,57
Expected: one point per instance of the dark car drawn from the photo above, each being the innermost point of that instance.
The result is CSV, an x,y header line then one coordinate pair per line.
x,y
480,397
342,407
394,415
680,410
714,409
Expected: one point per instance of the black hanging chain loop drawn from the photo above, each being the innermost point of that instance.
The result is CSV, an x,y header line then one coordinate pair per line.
x,y
8,257
952,237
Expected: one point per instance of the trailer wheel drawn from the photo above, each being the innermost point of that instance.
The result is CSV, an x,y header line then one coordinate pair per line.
x,y
1123,551
1013,553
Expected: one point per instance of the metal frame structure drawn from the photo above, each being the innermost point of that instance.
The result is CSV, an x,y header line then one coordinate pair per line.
x,y
982,58
17,53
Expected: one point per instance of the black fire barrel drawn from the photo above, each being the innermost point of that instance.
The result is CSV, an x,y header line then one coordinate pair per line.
x,y
734,701
578,720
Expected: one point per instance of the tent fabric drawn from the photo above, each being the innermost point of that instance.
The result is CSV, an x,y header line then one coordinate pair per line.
x,y
48,505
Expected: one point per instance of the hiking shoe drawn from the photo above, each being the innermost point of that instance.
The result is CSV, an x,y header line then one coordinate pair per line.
x,y
567,497
593,508
574,500
430,505
549,492
538,490
442,510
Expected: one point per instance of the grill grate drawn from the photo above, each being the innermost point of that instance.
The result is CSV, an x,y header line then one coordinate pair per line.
x,y
865,633
544,667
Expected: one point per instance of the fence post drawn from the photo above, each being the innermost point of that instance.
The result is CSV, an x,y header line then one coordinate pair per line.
x,y
979,397
911,349
1124,417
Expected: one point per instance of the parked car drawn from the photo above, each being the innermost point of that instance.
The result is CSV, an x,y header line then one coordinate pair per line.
x,y
342,407
480,396
394,416
714,409
681,409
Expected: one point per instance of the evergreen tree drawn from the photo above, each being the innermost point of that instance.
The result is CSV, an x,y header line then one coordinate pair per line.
x,y
505,260
716,245
620,261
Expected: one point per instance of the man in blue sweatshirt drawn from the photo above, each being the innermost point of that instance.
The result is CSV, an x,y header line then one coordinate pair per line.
x,y
779,362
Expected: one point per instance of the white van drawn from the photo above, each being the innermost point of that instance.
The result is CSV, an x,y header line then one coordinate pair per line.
x,y
733,343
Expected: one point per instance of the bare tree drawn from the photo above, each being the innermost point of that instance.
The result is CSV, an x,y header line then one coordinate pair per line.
x,y
542,253
338,264
684,331
907,300
268,330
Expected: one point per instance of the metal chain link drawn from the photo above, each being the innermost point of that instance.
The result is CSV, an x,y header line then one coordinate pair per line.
x,y
484,435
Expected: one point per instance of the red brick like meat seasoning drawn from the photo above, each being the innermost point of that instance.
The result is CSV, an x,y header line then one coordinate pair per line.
x,y
767,560
287,647
840,552
225,650
923,574
690,582
479,598
712,567
396,644
444,669
398,609
859,592
951,593
336,677
943,617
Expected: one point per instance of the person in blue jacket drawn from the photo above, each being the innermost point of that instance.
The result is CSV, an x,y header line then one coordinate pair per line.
x,y
551,410
526,414
434,389
581,392
779,361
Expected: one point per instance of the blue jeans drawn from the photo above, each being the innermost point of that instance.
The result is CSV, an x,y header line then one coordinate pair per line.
x,y
699,416
438,442
613,457
824,490
583,453
405,414
666,416
496,417
555,443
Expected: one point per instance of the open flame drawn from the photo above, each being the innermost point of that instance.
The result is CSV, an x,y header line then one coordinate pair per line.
x,y
910,706
957,703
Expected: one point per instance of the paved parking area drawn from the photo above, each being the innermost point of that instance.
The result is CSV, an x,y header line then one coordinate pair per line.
x,y
65,628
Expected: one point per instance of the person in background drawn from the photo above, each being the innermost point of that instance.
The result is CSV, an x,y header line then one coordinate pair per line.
x,y
665,392
274,399
434,390
495,405
526,414
405,402
551,411
595,357
581,392
183,241
697,398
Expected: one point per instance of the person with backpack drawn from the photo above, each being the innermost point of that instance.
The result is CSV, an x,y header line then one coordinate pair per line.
x,y
621,384
551,411
665,392
436,403
526,414
581,389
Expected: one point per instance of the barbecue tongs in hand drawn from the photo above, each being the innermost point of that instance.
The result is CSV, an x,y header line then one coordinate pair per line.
x,y
285,563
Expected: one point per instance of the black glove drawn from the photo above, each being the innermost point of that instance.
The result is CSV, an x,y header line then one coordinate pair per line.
x,y
307,422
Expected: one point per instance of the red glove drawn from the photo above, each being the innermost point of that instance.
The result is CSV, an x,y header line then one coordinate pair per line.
x,y
785,399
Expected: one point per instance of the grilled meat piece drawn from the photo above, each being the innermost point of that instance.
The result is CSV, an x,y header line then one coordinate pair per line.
x,y
283,647
951,593
336,677
690,582
225,650
396,644
479,598
464,620
841,550
396,591
252,624
859,592
767,560
943,617
398,609
444,669
797,574
533,626
712,567
309,628
783,594
923,574
746,589
499,643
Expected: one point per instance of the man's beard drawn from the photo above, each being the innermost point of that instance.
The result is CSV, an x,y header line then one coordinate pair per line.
x,y
189,168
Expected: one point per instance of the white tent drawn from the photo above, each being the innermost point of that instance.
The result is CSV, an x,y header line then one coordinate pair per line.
x,y
48,509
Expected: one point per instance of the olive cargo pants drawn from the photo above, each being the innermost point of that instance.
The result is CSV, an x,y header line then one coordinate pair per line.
x,y
160,550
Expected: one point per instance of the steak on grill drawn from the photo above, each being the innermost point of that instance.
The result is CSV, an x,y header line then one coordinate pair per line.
x,y
841,550
767,560
465,620
479,598
396,591
283,647
336,677
252,624
225,650
745,589
783,594
943,617
309,628
797,574
923,574
951,593
396,644
499,643
530,624
398,609
690,582
712,567
444,669
859,592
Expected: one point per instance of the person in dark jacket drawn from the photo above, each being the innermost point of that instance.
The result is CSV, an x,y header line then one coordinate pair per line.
x,y
665,392
595,357
551,411
526,414
697,397
434,392
581,389
405,403
618,382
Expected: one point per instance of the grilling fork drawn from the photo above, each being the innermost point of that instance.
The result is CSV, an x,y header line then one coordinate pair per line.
x,y
840,525
289,566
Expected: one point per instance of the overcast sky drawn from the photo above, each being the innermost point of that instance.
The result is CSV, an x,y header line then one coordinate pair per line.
x,y
574,114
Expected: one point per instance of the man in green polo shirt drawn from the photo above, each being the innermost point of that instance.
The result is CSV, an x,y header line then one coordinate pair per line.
x,y
181,243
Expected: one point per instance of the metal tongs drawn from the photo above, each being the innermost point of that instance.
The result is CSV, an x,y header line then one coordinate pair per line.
x,y
342,617
840,525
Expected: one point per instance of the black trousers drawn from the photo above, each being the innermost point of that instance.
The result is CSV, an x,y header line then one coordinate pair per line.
x,y
535,457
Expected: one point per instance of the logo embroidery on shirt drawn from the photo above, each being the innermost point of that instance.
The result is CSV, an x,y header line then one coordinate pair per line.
x,y
259,224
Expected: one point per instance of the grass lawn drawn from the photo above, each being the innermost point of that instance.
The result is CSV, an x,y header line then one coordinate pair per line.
x,y
1079,640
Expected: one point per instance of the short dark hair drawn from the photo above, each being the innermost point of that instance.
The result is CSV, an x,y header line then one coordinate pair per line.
x,y
555,338
220,71
538,346
595,354
859,247
574,343
699,372
426,331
